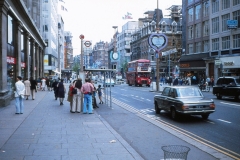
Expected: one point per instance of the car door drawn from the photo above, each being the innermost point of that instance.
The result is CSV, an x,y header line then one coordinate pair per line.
x,y
164,98
170,99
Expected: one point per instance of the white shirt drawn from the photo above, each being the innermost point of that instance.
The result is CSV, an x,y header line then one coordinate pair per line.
x,y
20,88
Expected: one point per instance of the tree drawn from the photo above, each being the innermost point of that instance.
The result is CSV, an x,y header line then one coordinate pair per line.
x,y
76,67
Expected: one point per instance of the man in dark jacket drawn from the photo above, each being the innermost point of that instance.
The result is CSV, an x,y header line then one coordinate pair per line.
x,y
55,88
33,87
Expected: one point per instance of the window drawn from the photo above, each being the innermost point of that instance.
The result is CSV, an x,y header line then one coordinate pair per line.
x,y
215,44
225,4
206,9
215,6
236,2
205,28
206,46
190,1
198,30
190,15
236,16
10,30
198,47
198,12
215,25
190,32
236,41
224,21
226,42
190,48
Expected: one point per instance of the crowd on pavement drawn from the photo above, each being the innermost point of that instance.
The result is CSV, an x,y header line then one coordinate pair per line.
x,y
29,87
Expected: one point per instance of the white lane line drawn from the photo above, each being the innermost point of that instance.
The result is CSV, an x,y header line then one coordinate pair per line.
x,y
224,121
142,98
124,99
148,99
230,104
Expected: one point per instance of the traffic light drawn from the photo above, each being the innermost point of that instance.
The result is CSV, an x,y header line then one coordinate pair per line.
x,y
152,71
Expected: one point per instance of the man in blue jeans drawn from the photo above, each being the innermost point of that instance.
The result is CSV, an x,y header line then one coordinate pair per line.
x,y
87,89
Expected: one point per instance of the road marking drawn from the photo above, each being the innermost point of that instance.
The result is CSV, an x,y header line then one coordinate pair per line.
x,y
224,121
230,104
148,99
124,99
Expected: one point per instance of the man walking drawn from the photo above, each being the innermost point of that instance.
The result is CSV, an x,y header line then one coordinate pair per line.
x,y
87,89
19,95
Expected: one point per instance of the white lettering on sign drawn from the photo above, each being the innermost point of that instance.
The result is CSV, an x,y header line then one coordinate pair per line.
x,y
228,63
11,60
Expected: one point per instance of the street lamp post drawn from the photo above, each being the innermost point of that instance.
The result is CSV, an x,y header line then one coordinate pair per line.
x,y
157,58
82,75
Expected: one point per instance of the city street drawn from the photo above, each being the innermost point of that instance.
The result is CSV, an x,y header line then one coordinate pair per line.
x,y
210,132
127,130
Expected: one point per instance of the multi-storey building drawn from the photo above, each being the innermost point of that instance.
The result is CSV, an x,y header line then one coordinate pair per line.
x,y
22,47
100,55
68,55
208,39
123,41
50,35
60,65
171,27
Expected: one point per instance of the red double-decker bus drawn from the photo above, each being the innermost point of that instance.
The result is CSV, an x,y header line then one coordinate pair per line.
x,y
138,73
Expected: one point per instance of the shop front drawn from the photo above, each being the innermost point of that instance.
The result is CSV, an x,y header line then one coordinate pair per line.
x,y
230,66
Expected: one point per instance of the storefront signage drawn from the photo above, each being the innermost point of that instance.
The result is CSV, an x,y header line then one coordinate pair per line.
x,y
231,63
218,62
184,65
11,60
23,65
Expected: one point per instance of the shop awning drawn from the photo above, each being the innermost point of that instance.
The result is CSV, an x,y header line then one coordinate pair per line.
x,y
57,72
192,57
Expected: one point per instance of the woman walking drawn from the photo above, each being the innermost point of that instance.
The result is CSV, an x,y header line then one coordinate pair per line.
x,y
77,106
33,87
27,85
61,91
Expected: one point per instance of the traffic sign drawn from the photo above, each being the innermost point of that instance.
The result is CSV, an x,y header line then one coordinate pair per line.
x,y
87,43
81,36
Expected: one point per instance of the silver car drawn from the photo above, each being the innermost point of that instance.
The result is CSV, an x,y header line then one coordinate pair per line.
x,y
186,100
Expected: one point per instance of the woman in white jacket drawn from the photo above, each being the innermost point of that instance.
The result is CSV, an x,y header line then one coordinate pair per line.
x,y
19,95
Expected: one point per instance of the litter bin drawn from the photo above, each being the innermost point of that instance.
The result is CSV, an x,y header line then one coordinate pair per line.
x,y
175,152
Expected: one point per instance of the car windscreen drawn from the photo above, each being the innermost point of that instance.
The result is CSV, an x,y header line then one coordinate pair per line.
x,y
188,92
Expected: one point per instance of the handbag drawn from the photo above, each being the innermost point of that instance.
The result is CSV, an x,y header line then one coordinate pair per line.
x,y
74,91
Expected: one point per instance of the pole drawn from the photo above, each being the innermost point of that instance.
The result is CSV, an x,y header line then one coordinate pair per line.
x,y
81,66
157,65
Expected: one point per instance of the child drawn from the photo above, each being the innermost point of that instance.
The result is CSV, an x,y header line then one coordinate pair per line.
x,y
99,90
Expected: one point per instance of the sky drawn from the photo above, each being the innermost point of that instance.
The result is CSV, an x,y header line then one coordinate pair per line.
x,y
95,18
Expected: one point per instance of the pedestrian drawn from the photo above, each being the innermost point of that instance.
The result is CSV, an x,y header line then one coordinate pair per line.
x,y
175,81
27,85
33,87
212,81
39,87
94,102
77,106
19,95
43,84
61,91
50,84
99,90
55,88
87,89
70,96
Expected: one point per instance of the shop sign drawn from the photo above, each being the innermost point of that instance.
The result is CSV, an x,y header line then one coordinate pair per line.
x,y
11,60
231,63
218,62
185,65
23,65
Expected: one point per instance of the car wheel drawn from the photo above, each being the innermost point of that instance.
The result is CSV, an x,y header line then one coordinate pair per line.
x,y
237,97
219,96
173,113
157,110
112,85
205,116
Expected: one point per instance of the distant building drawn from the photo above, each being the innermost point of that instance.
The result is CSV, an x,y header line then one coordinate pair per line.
x,y
100,55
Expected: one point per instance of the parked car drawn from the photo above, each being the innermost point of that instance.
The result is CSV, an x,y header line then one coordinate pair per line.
x,y
227,86
185,100
108,82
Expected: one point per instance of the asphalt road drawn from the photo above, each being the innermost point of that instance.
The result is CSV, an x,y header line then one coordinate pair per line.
x,y
221,130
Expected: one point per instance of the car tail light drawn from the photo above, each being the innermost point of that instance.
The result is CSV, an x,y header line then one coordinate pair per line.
x,y
212,105
184,107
